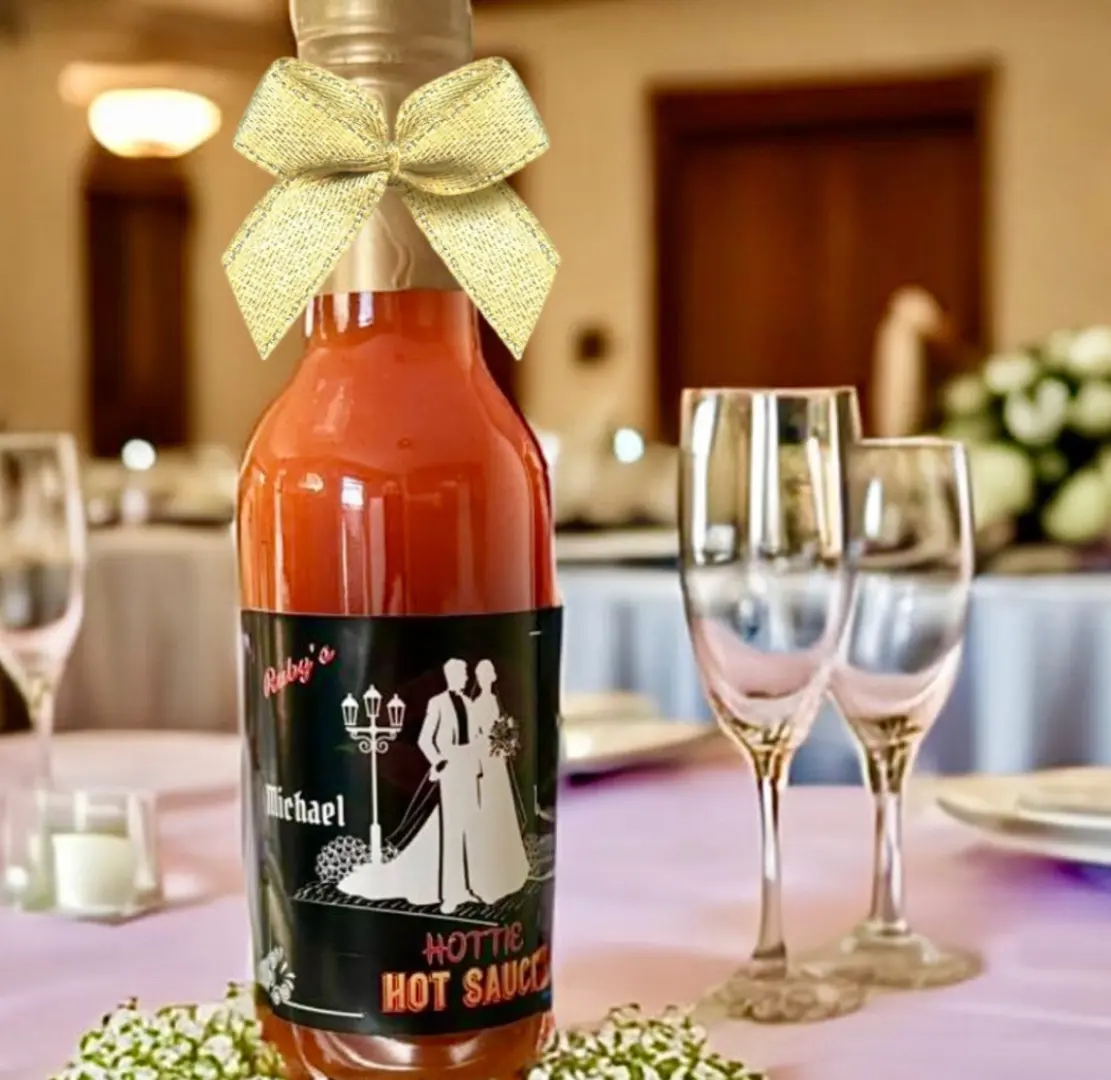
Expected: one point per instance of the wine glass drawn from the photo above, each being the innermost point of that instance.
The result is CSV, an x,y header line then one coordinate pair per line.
x,y
766,587
912,552
42,572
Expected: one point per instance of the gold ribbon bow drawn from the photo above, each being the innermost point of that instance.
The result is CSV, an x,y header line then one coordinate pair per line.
x,y
328,142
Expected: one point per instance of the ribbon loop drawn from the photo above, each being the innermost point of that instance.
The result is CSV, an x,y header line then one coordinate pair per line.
x,y
469,129
303,120
328,143
288,246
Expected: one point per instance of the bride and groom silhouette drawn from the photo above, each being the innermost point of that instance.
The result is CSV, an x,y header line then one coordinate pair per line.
x,y
469,848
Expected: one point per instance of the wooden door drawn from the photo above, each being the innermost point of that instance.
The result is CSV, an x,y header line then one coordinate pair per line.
x,y
788,217
138,219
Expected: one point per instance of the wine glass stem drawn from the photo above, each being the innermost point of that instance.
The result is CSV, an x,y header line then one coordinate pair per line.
x,y
770,953
887,916
40,707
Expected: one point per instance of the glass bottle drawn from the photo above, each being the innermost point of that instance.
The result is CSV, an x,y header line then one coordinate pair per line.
x,y
391,501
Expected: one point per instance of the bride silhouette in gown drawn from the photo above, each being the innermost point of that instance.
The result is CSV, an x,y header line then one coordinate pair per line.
x,y
494,859
499,865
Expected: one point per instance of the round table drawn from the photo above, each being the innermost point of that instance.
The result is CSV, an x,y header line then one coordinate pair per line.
x,y
657,898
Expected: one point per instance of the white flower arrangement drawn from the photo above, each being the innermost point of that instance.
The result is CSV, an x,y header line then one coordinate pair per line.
x,y
224,1042
631,1046
180,1042
1037,422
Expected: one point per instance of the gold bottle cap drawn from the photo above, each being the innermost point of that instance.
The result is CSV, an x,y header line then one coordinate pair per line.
x,y
391,47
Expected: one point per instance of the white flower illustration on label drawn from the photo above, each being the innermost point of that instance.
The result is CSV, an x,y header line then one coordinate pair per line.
x,y
276,977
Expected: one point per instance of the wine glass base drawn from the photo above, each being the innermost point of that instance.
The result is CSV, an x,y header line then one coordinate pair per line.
x,y
906,962
794,997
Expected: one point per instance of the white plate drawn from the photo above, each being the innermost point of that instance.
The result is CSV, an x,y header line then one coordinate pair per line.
x,y
598,746
996,807
1051,846
1070,798
170,764
1013,804
616,545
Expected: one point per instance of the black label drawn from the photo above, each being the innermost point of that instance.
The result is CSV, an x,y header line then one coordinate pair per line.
x,y
400,802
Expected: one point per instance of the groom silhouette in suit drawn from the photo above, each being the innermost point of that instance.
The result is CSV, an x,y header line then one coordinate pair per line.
x,y
446,740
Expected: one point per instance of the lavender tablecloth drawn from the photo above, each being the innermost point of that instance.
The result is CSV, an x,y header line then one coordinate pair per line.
x,y
658,893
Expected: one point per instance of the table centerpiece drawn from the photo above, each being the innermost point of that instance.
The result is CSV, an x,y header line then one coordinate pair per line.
x,y
224,1041
1037,421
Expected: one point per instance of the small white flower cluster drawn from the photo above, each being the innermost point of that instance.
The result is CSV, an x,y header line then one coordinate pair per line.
x,y
224,1042
1038,426
276,977
631,1046
505,739
182,1042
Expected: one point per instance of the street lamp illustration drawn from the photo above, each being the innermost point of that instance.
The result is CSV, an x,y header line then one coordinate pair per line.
x,y
373,739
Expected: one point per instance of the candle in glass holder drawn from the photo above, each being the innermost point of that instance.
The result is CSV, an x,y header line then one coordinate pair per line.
x,y
94,873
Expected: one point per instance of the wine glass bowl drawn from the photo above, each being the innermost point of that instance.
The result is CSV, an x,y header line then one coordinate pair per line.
x,y
42,571
912,553
766,589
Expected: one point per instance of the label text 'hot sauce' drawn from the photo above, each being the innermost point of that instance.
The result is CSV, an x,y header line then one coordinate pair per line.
x,y
498,971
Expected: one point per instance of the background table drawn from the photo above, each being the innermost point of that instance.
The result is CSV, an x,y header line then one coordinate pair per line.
x,y
1034,688
158,649
656,911
159,645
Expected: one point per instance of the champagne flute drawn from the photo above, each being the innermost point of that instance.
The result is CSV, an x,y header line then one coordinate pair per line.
x,y
767,589
912,552
42,572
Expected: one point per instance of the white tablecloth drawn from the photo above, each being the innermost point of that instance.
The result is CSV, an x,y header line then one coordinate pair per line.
x,y
158,650
1034,688
159,644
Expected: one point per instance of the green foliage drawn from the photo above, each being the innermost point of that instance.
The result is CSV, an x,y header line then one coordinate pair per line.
x,y
1037,422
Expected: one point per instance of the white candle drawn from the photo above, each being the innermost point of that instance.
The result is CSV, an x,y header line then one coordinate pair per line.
x,y
94,874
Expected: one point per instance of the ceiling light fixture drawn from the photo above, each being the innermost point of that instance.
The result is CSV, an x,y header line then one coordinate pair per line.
x,y
152,121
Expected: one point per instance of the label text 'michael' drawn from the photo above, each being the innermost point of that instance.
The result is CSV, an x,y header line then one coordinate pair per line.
x,y
296,807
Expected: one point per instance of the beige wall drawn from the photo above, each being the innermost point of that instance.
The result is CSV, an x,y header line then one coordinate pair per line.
x,y
591,63
43,143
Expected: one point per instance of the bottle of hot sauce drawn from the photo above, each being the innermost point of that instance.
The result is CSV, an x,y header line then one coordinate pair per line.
x,y
401,641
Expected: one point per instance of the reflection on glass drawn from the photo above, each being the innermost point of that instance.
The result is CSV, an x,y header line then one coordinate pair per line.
x,y
912,548
762,527
42,571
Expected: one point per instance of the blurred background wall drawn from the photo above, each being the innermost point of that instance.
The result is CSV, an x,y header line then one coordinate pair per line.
x,y
591,65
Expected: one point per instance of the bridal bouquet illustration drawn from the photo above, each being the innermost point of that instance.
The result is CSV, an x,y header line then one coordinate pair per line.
x,y
504,738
